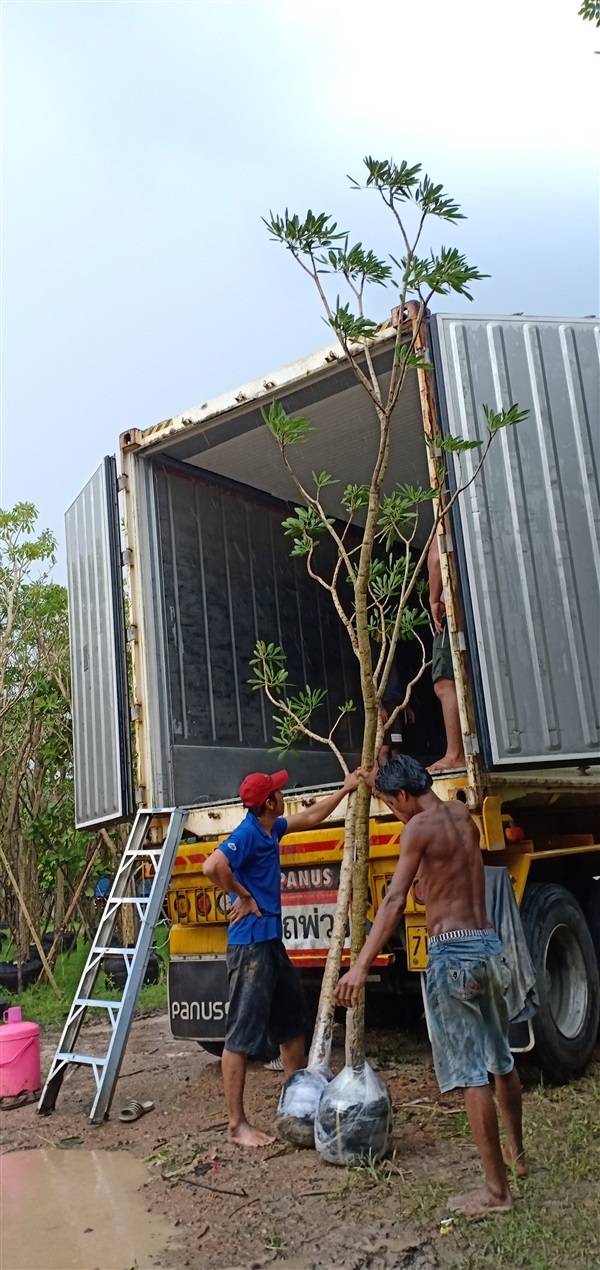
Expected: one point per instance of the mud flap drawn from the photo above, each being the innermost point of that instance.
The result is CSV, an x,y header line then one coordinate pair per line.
x,y
198,997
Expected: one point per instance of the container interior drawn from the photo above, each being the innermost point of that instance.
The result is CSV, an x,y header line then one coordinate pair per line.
x,y
228,580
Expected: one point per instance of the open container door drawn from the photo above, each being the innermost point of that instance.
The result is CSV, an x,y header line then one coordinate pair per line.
x,y
101,735
527,538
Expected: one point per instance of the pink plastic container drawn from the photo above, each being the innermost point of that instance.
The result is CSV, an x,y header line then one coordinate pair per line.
x,y
19,1057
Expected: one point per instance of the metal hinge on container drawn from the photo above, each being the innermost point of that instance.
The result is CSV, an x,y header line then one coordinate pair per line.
x,y
445,544
122,482
471,744
461,642
131,634
127,556
135,713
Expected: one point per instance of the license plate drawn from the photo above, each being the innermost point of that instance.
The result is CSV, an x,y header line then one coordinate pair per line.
x,y
416,945
308,898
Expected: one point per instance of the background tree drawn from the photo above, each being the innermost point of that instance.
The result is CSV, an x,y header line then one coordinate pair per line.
x,y
377,583
36,747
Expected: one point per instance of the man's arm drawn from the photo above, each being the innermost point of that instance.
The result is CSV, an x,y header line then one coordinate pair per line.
x,y
387,917
217,869
436,590
319,811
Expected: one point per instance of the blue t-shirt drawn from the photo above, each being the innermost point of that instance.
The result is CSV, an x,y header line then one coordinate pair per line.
x,y
253,858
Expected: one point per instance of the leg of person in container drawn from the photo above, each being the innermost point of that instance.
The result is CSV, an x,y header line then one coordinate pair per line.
x,y
442,670
467,979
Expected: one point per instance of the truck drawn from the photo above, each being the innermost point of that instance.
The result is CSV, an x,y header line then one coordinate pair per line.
x,y
177,565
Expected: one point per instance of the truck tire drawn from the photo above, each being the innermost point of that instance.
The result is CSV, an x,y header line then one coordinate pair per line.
x,y
566,1025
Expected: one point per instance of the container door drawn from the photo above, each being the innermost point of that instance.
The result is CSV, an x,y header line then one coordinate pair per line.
x,y
102,744
528,529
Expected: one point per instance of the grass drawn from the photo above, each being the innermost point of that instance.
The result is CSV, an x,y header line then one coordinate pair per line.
x,y
40,1004
274,1242
556,1219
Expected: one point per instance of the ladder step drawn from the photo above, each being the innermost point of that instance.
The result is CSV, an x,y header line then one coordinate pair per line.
x,y
101,1005
120,1011
91,1060
112,950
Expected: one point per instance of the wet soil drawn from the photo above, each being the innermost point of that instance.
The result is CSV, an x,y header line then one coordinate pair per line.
x,y
224,1207
87,1207
221,1208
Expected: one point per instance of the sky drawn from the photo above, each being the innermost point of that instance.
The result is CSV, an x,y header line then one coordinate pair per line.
x,y
143,142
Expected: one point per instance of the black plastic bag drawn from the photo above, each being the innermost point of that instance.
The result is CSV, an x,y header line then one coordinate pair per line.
x,y
298,1105
354,1117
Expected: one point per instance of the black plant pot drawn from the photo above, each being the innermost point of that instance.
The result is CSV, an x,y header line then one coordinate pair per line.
x,y
354,1117
9,974
116,971
298,1105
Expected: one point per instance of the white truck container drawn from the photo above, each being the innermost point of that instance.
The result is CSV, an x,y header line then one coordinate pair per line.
x,y
208,572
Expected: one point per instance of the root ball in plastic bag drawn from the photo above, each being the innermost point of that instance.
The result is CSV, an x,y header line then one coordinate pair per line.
x,y
354,1117
298,1105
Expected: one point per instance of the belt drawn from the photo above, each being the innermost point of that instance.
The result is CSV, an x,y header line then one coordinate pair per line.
x,y
459,934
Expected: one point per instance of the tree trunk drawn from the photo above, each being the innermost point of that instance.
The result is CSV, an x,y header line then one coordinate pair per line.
x,y
59,899
28,879
320,1049
355,1019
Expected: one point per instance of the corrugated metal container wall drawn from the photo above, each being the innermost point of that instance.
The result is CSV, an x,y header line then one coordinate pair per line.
x,y
530,528
228,580
103,776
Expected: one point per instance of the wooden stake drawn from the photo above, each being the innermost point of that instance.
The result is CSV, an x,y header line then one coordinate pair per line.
x,y
73,904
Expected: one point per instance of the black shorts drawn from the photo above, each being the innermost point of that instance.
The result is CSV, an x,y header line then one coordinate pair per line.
x,y
441,657
266,1001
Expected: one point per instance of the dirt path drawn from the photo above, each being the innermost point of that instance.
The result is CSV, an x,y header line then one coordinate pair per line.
x,y
227,1208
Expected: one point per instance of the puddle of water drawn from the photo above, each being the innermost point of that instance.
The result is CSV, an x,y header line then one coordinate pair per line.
x,y
77,1210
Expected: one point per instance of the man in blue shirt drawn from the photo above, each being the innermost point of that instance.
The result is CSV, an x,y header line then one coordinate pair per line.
x,y
265,994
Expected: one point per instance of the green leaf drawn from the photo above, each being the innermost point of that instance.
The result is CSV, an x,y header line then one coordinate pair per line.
x,y
432,200
455,445
590,11
350,327
356,497
323,479
412,360
287,431
398,180
356,264
503,418
304,237
446,272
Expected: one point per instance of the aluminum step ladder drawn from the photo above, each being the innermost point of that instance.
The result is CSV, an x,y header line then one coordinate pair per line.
x,y
120,1013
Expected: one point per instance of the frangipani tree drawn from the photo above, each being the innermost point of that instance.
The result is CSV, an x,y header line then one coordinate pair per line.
x,y
377,584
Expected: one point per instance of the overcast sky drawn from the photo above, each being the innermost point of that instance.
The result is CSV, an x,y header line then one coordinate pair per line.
x,y
142,142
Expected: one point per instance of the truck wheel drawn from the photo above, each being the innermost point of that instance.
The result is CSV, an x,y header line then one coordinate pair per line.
x,y
568,981
213,1047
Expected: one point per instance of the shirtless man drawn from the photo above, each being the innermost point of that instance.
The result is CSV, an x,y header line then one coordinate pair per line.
x,y
466,977
442,670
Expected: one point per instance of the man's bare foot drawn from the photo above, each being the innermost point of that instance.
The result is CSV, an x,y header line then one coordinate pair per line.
x,y
479,1202
449,763
517,1163
244,1135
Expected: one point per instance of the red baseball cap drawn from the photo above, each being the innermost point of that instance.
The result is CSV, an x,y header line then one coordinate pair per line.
x,y
255,789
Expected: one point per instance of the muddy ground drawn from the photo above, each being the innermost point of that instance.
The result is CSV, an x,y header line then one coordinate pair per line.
x,y
228,1208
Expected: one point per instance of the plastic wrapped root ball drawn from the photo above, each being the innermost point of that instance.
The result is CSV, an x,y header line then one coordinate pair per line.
x,y
298,1105
354,1117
